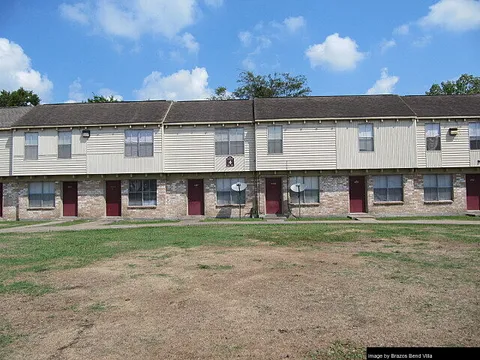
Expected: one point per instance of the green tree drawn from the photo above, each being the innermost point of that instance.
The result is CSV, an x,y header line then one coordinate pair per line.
x,y
101,99
264,86
464,85
20,97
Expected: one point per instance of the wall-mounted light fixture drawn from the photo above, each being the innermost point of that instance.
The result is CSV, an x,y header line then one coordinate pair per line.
x,y
453,131
85,134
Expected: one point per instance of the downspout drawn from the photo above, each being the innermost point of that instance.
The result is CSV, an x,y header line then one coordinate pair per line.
x,y
162,129
255,212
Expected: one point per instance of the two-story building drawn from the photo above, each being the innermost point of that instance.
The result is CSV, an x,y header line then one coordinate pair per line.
x,y
382,154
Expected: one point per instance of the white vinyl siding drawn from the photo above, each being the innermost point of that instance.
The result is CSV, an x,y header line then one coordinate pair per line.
x,y
275,139
474,135
142,193
365,137
387,188
437,187
227,196
65,144
31,146
41,195
138,143
5,153
229,141
432,137
311,195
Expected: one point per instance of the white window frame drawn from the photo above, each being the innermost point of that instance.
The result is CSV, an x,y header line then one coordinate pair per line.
x,y
31,146
136,144
366,140
275,139
474,135
225,195
143,190
227,143
311,195
45,191
64,144
392,193
433,137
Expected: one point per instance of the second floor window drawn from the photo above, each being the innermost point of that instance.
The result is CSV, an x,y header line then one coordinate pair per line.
x,y
432,135
365,137
64,144
275,139
229,141
138,143
474,134
31,146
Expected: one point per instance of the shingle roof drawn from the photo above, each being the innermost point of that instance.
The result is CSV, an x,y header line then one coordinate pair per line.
x,y
444,105
96,113
210,111
327,107
8,115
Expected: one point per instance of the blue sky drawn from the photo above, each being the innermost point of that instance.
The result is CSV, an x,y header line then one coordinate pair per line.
x,y
183,49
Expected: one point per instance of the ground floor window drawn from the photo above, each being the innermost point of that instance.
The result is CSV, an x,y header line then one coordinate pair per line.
x,y
437,187
225,194
387,188
41,194
142,193
311,195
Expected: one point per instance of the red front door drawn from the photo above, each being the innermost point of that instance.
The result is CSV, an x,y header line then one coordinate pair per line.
x,y
114,198
357,194
70,203
473,192
273,195
195,197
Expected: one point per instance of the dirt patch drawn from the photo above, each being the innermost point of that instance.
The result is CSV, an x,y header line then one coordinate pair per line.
x,y
261,302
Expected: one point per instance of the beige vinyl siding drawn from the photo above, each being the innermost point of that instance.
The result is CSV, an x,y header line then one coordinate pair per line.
x,y
394,145
474,157
455,150
305,147
244,162
106,153
48,162
5,152
189,149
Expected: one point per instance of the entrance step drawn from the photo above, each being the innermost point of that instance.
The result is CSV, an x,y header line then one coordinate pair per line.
x,y
473,213
362,217
274,217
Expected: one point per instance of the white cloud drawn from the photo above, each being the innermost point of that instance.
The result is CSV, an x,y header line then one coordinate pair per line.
x,y
106,92
335,53
75,92
387,44
214,3
16,71
384,85
188,41
422,41
293,24
76,12
245,38
134,18
248,64
182,85
454,15
402,30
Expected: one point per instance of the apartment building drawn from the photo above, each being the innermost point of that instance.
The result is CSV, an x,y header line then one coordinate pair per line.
x,y
382,155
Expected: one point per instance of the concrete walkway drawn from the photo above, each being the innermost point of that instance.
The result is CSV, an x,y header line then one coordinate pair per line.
x,y
109,224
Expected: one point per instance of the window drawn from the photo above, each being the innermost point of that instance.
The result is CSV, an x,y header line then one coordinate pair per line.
x,y
275,139
31,146
225,194
437,187
138,143
432,134
474,133
41,195
229,141
387,188
142,193
311,195
365,137
64,144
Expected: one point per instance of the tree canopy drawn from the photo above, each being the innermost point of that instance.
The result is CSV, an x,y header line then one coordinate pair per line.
x,y
20,97
101,99
464,85
262,86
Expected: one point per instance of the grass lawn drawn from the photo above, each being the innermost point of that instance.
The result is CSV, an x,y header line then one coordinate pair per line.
x,y
10,224
309,291
72,222
232,219
135,222
453,217
327,218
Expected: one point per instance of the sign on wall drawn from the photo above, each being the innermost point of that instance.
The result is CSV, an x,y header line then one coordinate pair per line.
x,y
230,161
